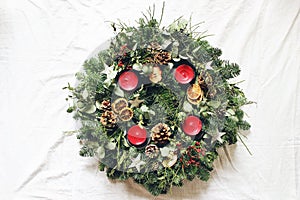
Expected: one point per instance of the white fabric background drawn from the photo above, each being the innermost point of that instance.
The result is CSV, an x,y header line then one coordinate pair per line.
x,y
43,44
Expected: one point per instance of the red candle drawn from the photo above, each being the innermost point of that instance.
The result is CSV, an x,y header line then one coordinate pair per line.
x,y
184,74
137,135
128,81
192,125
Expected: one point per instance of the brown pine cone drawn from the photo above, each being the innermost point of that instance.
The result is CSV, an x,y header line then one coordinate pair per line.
x,y
152,151
108,119
162,58
105,105
161,133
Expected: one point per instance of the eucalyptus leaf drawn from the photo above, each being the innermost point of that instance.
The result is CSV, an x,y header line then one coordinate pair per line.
x,y
187,107
214,104
234,118
183,57
230,112
111,145
85,94
100,152
118,91
174,52
80,104
165,151
137,66
125,143
176,59
134,47
166,44
98,105
170,65
89,109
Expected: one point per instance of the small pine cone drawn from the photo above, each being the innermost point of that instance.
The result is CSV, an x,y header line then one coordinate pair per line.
x,y
108,119
161,134
152,151
105,105
162,57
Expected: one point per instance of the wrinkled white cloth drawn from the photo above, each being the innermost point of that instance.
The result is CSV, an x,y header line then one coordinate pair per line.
x,y
43,43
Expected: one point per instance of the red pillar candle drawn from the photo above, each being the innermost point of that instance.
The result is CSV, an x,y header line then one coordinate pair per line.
x,y
192,125
137,135
128,80
184,74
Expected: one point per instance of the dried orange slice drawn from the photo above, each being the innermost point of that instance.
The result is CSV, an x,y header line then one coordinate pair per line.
x,y
119,104
194,91
126,114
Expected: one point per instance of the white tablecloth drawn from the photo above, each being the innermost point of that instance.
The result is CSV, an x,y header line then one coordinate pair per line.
x,y
43,44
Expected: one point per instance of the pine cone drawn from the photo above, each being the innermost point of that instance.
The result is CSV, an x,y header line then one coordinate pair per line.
x,y
152,151
105,105
161,133
162,58
108,119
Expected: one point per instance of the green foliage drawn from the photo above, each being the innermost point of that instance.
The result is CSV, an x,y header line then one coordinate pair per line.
x,y
220,110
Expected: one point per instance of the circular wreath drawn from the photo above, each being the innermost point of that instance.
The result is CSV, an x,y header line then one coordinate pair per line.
x,y
156,104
